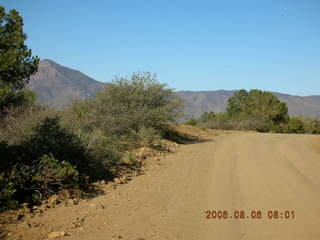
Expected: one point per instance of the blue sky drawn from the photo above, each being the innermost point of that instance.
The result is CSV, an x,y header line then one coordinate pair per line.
x,y
191,45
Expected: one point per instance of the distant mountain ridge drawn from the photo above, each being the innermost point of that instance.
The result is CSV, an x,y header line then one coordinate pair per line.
x,y
197,102
57,86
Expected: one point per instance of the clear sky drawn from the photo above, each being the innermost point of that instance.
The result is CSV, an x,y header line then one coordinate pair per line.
x,y
192,45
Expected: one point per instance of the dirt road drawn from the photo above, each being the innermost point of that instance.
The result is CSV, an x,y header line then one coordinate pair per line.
x,y
240,171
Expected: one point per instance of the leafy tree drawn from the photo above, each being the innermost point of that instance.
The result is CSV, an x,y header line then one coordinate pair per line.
x,y
237,104
16,61
129,104
207,116
295,125
192,122
310,125
259,106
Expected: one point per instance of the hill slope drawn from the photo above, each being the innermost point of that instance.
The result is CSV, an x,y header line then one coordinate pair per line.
x,y
57,86
308,106
197,102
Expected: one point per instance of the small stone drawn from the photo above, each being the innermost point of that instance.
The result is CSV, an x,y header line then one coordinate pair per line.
x,y
142,153
53,200
55,235
118,180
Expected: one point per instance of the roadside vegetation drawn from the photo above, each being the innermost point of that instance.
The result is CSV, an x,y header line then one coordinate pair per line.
x,y
256,110
44,151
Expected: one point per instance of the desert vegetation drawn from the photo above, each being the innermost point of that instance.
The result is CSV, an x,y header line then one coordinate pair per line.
x,y
258,111
44,151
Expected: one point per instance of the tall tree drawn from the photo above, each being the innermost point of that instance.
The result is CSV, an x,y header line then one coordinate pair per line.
x,y
16,61
257,105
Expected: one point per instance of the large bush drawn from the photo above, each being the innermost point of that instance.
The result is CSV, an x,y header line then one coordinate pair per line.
x,y
254,110
260,107
259,111
225,122
129,112
295,125
46,159
310,125
53,175
128,104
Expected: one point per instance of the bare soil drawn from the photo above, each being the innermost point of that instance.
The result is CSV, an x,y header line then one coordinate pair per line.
x,y
233,172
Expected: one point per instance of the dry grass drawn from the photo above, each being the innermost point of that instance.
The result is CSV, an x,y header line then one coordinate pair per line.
x,y
192,130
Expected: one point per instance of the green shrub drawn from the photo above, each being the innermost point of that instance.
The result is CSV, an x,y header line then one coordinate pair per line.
x,y
105,150
295,125
53,175
207,116
128,113
260,107
6,193
33,183
50,138
128,104
311,126
280,128
192,122
49,159
259,111
19,123
226,122
148,136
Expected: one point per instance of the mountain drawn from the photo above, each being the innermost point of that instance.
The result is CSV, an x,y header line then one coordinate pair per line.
x,y
57,86
308,106
197,102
